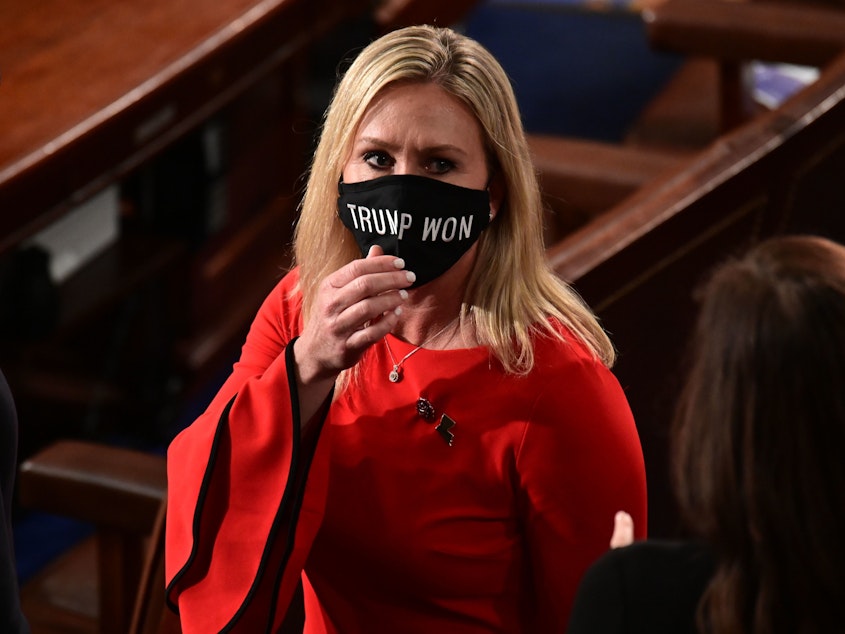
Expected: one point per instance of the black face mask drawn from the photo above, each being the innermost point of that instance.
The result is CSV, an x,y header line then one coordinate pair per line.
x,y
428,223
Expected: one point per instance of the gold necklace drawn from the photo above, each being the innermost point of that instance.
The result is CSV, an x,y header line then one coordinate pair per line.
x,y
396,373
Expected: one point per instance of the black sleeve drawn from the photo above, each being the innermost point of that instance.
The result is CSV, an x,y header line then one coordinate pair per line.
x,y
600,601
649,587
11,618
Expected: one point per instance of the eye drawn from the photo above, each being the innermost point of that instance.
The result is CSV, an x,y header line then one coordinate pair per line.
x,y
440,166
378,160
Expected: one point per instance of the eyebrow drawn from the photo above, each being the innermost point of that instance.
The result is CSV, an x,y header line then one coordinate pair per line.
x,y
431,148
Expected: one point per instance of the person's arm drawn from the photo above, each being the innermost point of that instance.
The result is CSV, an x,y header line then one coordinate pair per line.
x,y
580,461
229,481
247,479
600,602
12,619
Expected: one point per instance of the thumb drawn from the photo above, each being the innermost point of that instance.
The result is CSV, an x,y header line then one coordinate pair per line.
x,y
623,530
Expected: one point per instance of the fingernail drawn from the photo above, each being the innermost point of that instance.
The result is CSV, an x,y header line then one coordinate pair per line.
x,y
399,263
403,293
398,310
370,252
412,277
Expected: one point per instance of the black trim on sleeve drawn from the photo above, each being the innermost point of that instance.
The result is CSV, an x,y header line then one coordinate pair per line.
x,y
295,486
308,445
288,512
206,479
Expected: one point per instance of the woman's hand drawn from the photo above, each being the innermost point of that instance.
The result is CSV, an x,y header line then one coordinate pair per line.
x,y
623,530
355,307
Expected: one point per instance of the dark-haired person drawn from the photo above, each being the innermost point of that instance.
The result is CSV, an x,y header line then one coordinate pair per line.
x,y
422,419
758,446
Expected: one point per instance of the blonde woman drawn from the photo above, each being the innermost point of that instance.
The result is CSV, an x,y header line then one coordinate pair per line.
x,y
422,428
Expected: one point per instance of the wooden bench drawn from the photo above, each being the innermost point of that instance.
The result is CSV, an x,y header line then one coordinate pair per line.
x,y
707,97
709,94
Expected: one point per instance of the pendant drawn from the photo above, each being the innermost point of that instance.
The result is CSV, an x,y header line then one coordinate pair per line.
x,y
394,375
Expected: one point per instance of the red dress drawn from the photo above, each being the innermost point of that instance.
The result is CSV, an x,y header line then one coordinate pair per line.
x,y
396,529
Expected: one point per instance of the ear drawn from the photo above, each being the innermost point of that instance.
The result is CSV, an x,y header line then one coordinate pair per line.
x,y
497,191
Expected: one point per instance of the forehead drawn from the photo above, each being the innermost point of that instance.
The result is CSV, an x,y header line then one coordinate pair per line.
x,y
424,112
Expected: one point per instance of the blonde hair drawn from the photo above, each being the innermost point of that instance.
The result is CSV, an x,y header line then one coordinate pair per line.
x,y
512,292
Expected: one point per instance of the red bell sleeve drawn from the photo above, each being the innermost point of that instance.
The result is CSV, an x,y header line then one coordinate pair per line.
x,y
246,492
